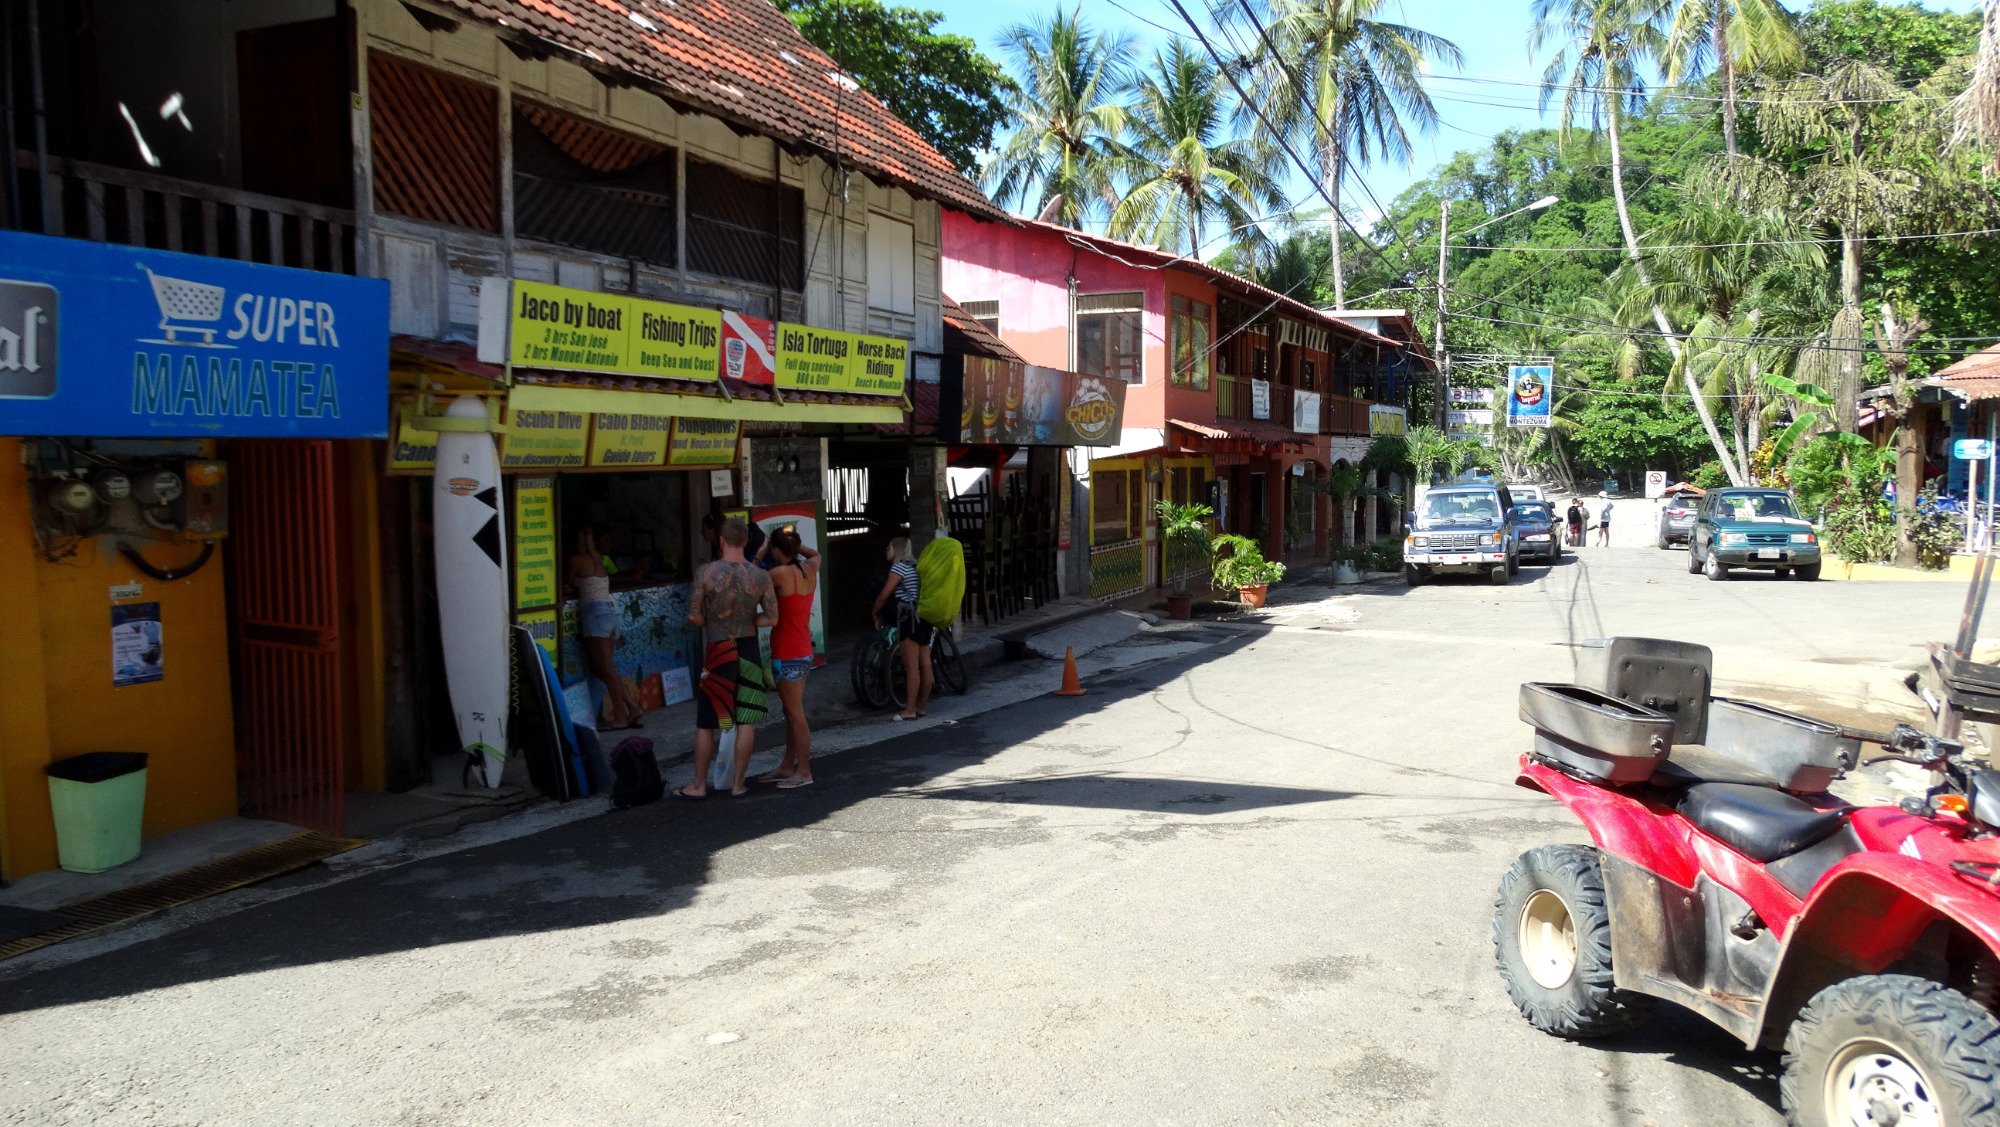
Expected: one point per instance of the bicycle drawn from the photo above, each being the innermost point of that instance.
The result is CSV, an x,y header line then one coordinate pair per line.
x,y
875,671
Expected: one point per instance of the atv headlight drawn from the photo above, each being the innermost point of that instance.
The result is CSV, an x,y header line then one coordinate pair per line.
x,y
1729,538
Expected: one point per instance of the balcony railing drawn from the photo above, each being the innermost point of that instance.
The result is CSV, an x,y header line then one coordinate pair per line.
x,y
1338,414
1343,414
116,205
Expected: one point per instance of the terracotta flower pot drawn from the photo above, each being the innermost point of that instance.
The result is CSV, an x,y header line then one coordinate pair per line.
x,y
1254,596
1180,606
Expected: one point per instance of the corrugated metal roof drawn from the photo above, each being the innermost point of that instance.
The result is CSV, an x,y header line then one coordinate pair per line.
x,y
965,333
1975,377
744,62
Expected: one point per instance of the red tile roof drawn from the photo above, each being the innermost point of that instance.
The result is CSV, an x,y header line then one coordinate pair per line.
x,y
744,62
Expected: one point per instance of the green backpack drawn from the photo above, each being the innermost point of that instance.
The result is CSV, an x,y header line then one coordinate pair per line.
x,y
940,581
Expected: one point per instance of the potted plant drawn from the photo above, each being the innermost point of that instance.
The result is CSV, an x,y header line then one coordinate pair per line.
x,y
1240,564
1183,524
1347,566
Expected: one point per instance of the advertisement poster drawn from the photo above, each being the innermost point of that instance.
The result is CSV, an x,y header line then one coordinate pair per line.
x,y
1388,420
803,518
564,329
1305,412
1260,399
626,441
544,440
749,349
1006,402
810,359
136,656
1530,394
535,556
704,442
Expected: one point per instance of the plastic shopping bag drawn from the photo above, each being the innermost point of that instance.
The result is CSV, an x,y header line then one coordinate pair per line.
x,y
719,772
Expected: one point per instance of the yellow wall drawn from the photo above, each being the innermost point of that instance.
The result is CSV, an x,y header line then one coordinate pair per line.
x,y
56,696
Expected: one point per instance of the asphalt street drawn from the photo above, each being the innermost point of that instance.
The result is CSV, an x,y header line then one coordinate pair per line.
x,y
1246,882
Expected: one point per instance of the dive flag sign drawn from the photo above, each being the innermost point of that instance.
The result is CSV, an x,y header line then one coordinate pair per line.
x,y
1530,394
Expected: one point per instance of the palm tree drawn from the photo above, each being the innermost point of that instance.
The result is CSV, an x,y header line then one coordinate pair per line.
x,y
1733,35
1601,49
1065,143
1978,109
1329,74
1182,173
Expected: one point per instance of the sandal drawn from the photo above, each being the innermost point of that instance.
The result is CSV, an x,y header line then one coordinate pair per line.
x,y
681,793
794,784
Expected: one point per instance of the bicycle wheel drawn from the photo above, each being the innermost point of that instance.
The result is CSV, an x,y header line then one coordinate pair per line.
x,y
869,672
950,666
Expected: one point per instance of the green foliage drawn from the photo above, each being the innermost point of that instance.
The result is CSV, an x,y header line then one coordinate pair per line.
x,y
1068,121
1185,526
1708,475
1908,40
1627,433
942,85
1821,467
1239,563
1388,453
1385,554
1860,525
1933,531
1428,449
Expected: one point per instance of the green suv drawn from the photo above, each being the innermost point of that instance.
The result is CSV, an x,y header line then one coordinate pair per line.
x,y
1752,528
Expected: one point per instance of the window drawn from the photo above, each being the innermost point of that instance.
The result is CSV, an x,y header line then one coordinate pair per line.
x,y
892,264
581,186
745,229
1111,506
436,142
1108,329
1308,373
1191,330
986,313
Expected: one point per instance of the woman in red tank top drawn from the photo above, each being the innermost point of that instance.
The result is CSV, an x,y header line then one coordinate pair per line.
x,y
795,575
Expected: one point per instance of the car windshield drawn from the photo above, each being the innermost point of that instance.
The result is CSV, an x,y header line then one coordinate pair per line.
x,y
1460,508
1755,506
1534,512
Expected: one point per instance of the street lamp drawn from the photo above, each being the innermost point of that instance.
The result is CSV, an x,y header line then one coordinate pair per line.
x,y
1444,240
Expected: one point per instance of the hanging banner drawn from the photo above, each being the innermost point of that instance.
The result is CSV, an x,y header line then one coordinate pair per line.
x,y
1530,394
628,441
544,440
120,341
1260,399
1005,402
1305,412
1385,420
536,325
536,560
704,442
828,360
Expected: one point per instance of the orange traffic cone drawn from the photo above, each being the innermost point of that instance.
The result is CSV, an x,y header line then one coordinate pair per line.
x,y
1071,686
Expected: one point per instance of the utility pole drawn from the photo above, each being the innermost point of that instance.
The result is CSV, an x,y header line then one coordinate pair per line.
x,y
1437,333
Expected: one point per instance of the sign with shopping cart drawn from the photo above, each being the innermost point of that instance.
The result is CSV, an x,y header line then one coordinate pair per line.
x,y
112,341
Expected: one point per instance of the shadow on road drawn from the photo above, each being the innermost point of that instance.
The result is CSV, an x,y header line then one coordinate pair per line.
x,y
1117,792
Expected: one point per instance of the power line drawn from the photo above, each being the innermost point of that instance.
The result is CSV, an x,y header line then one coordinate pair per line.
x,y
1672,91
1644,247
1810,342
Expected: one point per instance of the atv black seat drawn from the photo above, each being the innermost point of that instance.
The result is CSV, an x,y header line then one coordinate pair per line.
x,y
1688,764
1758,822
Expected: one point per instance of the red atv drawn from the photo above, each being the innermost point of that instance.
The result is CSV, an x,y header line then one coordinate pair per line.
x,y
1864,940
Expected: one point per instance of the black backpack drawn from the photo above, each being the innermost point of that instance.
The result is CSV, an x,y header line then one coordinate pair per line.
x,y
635,774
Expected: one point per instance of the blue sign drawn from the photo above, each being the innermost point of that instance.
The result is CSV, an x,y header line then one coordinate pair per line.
x,y
1531,394
116,342
1972,449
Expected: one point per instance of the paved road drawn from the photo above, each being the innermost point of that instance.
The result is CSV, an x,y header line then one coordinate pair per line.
x,y
1248,882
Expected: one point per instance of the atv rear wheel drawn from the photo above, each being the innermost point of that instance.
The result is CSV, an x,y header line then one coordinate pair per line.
x,y
1890,1048
1552,939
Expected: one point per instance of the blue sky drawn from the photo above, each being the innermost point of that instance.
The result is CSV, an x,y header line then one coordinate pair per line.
x,y
1473,107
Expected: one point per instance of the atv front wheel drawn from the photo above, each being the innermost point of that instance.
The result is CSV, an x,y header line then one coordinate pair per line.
x,y
1889,1048
1552,939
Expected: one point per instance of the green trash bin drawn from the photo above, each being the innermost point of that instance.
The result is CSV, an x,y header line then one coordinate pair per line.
x,y
100,804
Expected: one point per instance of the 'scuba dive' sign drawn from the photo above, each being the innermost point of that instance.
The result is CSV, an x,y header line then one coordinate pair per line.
x,y
114,341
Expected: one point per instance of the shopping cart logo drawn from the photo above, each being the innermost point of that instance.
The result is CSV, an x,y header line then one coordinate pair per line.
x,y
191,309
27,340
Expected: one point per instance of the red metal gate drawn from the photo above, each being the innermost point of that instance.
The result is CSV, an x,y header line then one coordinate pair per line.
x,y
285,575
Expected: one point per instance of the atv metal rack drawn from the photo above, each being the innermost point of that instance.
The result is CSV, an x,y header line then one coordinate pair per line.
x,y
1969,689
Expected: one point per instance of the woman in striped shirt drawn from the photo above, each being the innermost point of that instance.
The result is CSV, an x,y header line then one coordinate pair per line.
x,y
914,634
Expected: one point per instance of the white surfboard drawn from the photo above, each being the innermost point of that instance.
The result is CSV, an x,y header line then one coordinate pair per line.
x,y
471,545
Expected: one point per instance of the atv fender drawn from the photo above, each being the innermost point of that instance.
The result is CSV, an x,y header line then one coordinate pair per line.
x,y
1864,918
1619,824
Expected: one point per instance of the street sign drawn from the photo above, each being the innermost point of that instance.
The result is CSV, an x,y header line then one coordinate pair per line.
x,y
1972,449
1656,483
1477,417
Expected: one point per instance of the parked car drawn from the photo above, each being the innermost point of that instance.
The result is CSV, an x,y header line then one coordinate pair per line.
x,y
1526,493
1463,529
1677,521
1752,528
1540,530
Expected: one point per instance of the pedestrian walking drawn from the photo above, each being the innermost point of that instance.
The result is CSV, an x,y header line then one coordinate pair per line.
x,y
903,589
795,578
597,622
732,599
1575,517
1604,521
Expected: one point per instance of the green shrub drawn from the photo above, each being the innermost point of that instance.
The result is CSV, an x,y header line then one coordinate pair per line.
x,y
1708,475
1935,533
1386,554
1239,563
1860,525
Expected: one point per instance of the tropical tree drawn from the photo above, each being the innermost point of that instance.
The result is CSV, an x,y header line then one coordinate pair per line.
x,y
1428,448
1732,36
1065,146
1978,109
1601,50
1183,172
1332,76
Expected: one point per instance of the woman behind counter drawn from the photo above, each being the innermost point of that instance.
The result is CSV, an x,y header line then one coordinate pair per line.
x,y
597,623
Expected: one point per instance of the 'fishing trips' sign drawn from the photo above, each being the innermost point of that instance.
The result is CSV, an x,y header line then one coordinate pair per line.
x,y
535,325
114,341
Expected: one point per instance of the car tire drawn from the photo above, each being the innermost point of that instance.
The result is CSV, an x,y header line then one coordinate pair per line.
x,y
1665,540
1694,560
1552,941
1513,563
1413,576
1809,573
1498,576
1902,1040
1715,569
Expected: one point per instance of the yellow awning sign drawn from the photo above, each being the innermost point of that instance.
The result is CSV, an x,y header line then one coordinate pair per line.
x,y
549,397
544,440
828,360
623,441
413,450
571,330
704,442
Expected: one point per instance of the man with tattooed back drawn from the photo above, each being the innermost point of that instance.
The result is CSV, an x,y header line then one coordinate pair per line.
x,y
731,600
